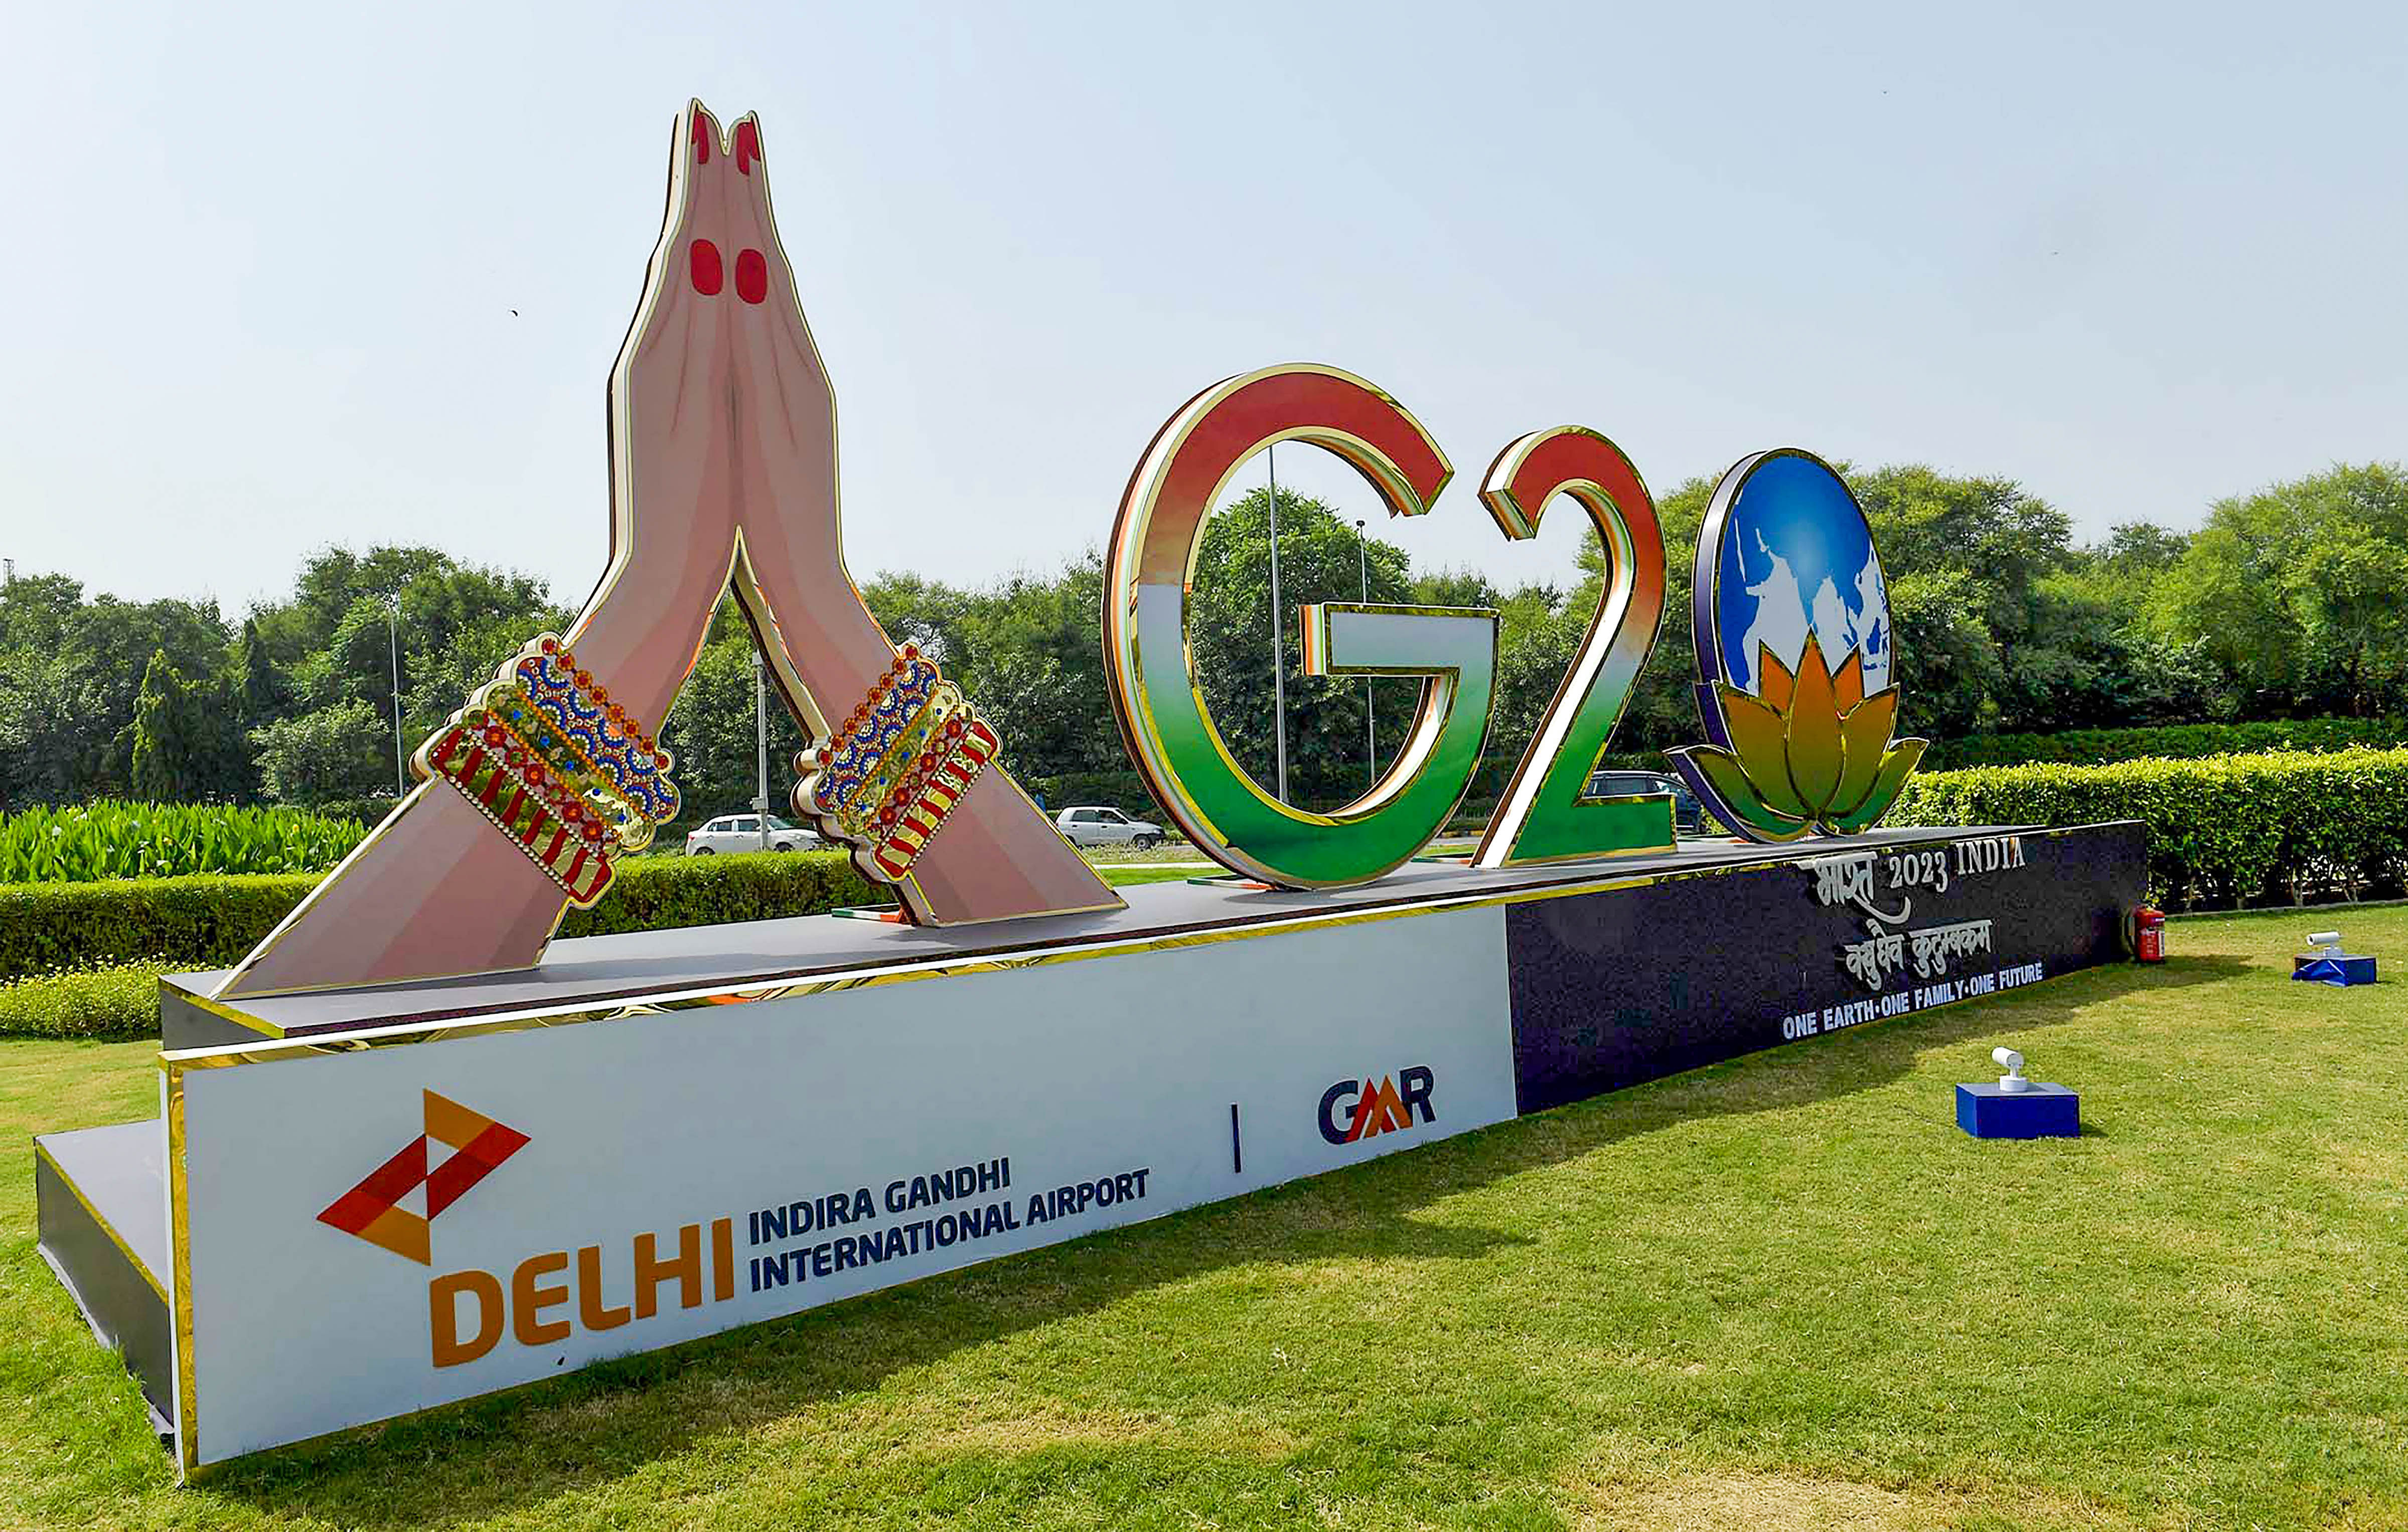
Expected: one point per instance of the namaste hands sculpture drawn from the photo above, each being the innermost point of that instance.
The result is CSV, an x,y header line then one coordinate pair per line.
x,y
723,476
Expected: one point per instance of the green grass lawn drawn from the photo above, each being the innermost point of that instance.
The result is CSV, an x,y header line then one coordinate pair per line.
x,y
1783,1292
1124,877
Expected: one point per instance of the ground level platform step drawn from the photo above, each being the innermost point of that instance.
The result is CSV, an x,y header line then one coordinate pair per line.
x,y
101,1200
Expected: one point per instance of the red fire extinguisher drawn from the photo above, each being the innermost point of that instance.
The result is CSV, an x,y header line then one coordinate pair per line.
x,y
2149,933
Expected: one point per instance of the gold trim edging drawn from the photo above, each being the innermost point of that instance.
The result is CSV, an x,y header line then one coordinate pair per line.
x,y
179,1239
106,1226
218,1008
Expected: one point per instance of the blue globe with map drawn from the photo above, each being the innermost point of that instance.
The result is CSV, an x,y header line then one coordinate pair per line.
x,y
1797,557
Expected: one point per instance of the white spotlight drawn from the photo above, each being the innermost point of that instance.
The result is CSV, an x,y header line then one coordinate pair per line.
x,y
2013,1063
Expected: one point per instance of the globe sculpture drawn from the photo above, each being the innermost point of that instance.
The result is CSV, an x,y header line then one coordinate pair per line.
x,y
1792,622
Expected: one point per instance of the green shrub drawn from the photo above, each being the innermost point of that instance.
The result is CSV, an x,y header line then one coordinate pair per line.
x,y
211,922
110,839
365,812
2179,742
118,1001
2226,829
655,894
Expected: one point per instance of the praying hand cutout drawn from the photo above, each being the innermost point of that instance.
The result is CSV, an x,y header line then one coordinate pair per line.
x,y
723,476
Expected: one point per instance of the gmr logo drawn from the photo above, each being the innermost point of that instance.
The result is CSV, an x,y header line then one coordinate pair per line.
x,y
1357,1109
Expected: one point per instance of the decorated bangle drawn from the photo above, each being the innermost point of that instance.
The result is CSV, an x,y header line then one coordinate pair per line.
x,y
895,770
543,753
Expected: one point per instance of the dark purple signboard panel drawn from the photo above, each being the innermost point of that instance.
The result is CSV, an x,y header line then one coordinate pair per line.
x,y
1633,984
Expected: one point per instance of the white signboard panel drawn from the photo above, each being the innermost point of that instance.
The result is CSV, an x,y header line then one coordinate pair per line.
x,y
506,1206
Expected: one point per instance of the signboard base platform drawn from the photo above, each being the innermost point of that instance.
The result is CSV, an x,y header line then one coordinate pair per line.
x,y
101,1222
444,1189
2341,969
2040,1111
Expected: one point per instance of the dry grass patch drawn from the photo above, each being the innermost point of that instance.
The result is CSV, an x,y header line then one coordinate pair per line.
x,y
1040,1425
1752,1502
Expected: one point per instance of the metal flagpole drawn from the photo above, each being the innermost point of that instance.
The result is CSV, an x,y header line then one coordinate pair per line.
x,y
1278,636
393,643
1370,725
761,731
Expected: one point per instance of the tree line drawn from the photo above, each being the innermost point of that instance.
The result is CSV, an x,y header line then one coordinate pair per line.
x,y
2285,603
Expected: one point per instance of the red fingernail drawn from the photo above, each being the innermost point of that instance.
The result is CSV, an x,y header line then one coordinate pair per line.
x,y
702,260
751,275
748,145
702,136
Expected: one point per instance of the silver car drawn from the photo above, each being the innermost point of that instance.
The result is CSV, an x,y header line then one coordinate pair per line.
x,y
1099,827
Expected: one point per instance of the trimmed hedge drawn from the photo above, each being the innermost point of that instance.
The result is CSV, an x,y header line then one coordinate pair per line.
x,y
211,922
2228,829
2177,742
206,921
661,892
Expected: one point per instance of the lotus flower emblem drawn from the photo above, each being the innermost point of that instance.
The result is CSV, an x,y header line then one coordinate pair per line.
x,y
1811,751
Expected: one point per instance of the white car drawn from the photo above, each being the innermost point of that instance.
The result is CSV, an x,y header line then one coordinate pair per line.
x,y
743,833
1086,826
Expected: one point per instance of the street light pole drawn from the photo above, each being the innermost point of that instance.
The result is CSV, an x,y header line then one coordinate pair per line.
x,y
1370,725
761,734
393,649
1279,636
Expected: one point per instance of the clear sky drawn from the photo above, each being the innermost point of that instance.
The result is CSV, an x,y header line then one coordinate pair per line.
x,y
261,262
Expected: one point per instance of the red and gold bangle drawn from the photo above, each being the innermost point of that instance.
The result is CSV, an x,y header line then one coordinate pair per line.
x,y
896,768
543,754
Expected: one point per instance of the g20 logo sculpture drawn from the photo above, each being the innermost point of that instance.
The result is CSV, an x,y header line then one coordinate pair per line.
x,y
1798,744
724,478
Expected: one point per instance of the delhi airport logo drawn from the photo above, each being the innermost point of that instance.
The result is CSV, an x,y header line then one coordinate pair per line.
x,y
1355,1110
473,1147
1787,578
